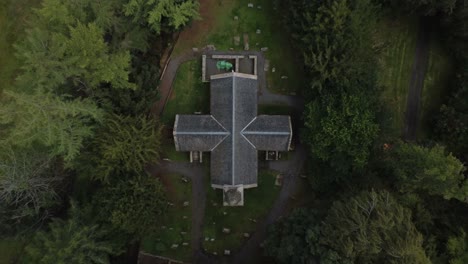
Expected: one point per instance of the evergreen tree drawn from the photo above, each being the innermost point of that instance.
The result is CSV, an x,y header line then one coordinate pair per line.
x,y
162,14
59,123
457,247
125,144
133,205
69,241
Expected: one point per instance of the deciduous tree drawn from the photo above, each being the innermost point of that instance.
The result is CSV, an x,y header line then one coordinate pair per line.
x,y
429,169
373,228
340,130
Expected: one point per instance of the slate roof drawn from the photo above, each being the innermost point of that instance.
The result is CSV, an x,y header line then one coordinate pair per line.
x,y
197,133
268,132
233,132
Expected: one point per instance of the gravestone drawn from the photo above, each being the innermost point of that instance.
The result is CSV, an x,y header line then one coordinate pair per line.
x,y
237,40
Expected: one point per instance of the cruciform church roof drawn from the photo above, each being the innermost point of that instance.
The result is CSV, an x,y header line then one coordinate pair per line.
x,y
233,133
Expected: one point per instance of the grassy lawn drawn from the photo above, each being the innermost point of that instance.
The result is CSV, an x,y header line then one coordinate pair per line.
x,y
175,225
258,202
221,29
189,94
396,40
439,72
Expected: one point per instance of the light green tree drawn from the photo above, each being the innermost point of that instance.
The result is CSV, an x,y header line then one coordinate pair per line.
x,y
79,57
59,123
126,143
156,12
428,169
373,228
457,247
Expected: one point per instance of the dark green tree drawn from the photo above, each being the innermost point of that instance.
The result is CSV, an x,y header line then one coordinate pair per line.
x,y
134,205
457,247
69,241
452,121
340,130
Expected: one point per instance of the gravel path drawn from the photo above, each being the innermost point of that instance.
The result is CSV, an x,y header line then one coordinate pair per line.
x,y
417,81
165,86
291,169
197,174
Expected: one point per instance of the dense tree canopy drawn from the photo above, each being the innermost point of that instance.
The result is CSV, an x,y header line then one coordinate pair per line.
x,y
59,123
457,247
452,121
69,241
338,128
124,144
28,185
133,206
160,13
373,228
429,169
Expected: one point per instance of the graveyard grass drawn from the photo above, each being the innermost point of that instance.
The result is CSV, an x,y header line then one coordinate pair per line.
x,y
173,223
220,30
257,203
189,95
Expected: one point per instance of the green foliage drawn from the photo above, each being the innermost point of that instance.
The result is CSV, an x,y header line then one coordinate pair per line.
x,y
431,170
133,206
373,228
78,56
457,248
69,241
126,143
335,38
452,121
336,41
427,7
57,122
159,14
294,239
340,130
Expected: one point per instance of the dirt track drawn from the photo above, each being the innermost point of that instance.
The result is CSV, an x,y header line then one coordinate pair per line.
x,y
418,73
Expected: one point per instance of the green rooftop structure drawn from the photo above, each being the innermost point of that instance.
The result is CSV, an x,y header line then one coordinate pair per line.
x,y
224,65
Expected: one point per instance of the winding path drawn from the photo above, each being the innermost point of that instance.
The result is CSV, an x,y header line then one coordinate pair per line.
x,y
167,79
418,73
197,174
